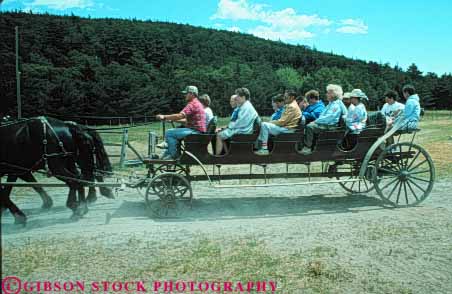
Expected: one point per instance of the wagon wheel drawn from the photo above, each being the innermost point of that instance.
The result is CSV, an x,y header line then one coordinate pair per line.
x,y
168,195
356,187
404,174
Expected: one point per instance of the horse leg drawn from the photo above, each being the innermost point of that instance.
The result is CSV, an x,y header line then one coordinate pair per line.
x,y
46,200
83,206
71,202
19,216
92,195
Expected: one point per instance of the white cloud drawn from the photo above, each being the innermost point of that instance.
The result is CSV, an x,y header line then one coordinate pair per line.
x,y
285,24
234,29
281,34
60,4
353,26
236,10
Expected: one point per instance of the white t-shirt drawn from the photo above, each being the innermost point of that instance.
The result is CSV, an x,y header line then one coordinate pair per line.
x,y
389,110
209,115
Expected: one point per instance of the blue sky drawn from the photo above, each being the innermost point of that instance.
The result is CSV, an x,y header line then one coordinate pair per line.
x,y
397,32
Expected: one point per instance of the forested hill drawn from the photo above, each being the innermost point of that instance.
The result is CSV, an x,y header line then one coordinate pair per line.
x,y
79,66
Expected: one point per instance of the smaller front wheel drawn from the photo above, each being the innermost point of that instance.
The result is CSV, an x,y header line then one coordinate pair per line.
x,y
169,195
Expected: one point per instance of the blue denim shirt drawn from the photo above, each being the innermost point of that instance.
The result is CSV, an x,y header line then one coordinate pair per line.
x,y
312,112
332,113
412,112
278,113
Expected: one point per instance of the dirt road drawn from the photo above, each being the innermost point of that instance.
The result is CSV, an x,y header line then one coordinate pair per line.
x,y
400,250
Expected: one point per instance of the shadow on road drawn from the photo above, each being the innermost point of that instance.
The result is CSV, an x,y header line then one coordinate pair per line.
x,y
254,207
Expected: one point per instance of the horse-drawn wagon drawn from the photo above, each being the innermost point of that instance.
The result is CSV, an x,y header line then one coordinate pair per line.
x,y
401,172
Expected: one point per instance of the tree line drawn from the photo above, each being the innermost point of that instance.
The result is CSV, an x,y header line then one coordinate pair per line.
x,y
109,67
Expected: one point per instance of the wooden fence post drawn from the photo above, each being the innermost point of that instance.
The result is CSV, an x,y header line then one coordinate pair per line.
x,y
125,141
152,142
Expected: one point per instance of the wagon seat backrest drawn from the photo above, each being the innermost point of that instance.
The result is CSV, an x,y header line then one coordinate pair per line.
x,y
376,120
328,140
257,125
212,126
197,143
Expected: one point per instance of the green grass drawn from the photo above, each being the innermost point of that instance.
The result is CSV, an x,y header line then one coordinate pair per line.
x,y
314,270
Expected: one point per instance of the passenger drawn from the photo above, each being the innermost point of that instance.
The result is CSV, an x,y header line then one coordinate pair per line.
x,y
328,119
346,100
315,107
205,101
278,106
412,112
391,109
288,121
303,102
357,114
242,123
195,116
235,111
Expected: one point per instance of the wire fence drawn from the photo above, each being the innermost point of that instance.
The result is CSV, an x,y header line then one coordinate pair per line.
x,y
108,120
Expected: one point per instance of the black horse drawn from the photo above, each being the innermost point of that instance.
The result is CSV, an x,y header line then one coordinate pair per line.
x,y
59,148
102,166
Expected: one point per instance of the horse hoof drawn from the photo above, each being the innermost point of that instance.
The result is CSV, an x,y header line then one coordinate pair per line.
x,y
75,217
20,219
72,205
91,199
82,210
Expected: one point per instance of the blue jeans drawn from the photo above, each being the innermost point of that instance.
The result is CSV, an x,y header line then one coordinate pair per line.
x,y
269,128
172,138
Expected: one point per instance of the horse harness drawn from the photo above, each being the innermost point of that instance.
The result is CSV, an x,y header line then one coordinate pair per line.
x,y
46,128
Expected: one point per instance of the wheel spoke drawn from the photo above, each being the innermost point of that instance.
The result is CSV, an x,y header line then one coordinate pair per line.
x,y
388,184
398,193
365,184
406,161
420,172
412,191
414,183
406,193
419,164
414,159
419,179
393,189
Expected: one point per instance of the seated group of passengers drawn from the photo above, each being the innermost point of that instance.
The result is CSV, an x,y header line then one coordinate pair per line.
x,y
196,117
311,111
412,109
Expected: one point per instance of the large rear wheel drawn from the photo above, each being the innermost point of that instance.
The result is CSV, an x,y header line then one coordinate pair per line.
x,y
404,174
